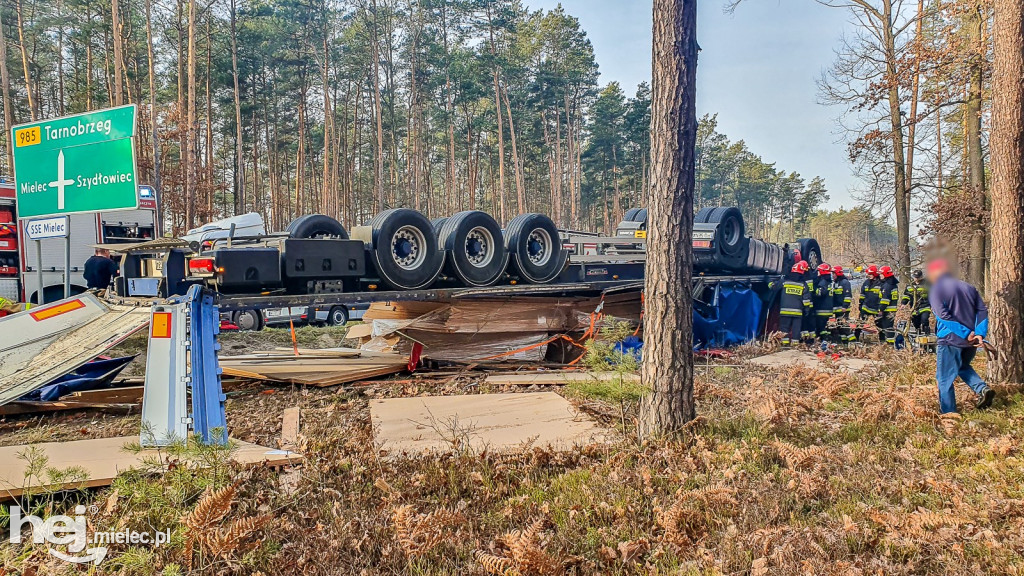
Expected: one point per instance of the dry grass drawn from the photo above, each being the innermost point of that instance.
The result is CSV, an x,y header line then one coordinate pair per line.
x,y
792,473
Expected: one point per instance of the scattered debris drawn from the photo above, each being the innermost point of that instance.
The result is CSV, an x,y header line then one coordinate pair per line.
x,y
290,428
790,358
97,462
558,377
478,422
324,368
42,344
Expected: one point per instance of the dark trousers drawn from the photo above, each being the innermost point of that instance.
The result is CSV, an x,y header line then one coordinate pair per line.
x,y
843,331
922,322
886,332
821,326
790,328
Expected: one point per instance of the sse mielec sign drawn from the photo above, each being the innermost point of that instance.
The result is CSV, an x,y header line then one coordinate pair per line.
x,y
81,163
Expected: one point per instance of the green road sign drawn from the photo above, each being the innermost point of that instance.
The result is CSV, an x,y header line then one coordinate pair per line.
x,y
81,163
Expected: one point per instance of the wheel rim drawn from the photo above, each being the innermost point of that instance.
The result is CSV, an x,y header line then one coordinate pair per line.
x,y
539,246
247,321
730,232
479,247
337,317
408,247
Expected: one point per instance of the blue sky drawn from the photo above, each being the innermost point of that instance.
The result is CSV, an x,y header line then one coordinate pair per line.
x,y
758,70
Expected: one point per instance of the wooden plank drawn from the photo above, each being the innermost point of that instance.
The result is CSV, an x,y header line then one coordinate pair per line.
x,y
558,378
103,459
129,395
313,370
290,428
30,407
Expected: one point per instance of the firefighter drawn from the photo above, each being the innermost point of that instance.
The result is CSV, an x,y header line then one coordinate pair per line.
x,y
870,296
808,335
842,299
915,297
888,303
794,301
821,300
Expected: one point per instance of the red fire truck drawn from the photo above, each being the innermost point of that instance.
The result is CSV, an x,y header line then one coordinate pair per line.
x,y
18,261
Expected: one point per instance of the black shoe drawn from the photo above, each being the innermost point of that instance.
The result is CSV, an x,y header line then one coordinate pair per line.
x,y
986,399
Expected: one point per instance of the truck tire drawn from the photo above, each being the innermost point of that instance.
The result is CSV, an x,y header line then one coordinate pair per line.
x,y
438,223
702,215
535,248
641,216
404,249
473,246
248,320
630,214
337,316
810,251
731,229
316,226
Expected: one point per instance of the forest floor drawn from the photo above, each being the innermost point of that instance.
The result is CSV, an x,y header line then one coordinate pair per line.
x,y
790,471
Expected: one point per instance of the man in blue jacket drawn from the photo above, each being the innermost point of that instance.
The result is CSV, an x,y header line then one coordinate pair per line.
x,y
961,326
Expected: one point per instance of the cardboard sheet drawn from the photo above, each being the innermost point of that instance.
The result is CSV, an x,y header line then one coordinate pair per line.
x,y
495,422
103,459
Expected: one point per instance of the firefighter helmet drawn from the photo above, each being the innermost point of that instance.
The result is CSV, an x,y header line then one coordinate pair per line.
x,y
886,271
796,255
872,271
838,271
801,267
824,269
918,274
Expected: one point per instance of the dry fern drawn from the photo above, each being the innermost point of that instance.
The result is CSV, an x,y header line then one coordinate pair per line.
x,y
418,534
497,565
205,533
802,458
212,507
526,554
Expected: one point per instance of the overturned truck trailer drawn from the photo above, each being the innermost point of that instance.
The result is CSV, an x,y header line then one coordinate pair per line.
x,y
400,255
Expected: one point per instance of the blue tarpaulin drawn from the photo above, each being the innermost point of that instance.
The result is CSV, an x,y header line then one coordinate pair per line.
x,y
92,376
732,322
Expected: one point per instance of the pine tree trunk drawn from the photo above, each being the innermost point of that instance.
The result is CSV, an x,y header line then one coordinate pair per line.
x,y
24,64
1006,292
668,318
153,119
239,150
190,136
5,81
115,25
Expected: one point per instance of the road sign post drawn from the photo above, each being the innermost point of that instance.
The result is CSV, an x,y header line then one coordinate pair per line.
x,y
81,163
53,227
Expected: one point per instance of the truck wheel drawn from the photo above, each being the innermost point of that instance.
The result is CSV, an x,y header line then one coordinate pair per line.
x,y
248,320
641,216
810,251
438,223
338,316
702,215
404,249
535,248
316,226
630,214
474,251
731,230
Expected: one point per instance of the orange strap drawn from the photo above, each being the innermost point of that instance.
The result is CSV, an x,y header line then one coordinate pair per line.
x,y
641,322
295,344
